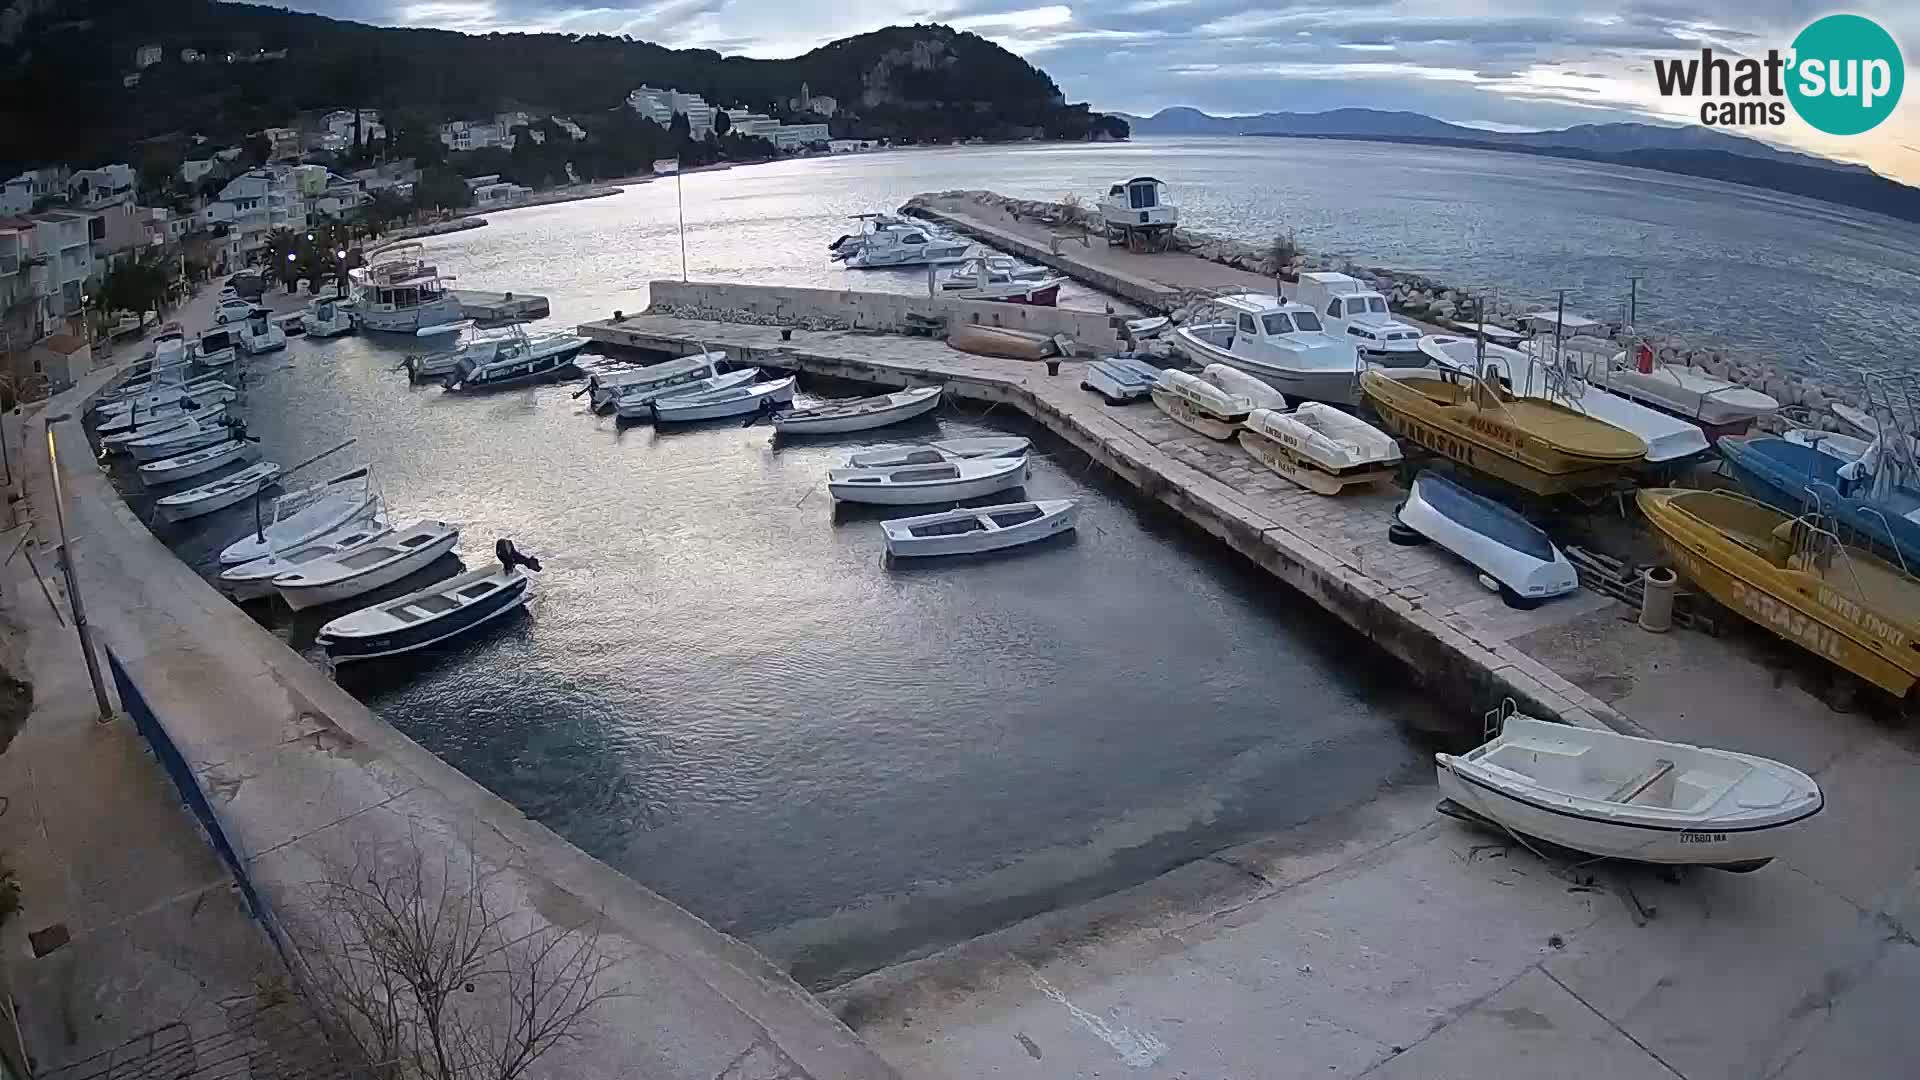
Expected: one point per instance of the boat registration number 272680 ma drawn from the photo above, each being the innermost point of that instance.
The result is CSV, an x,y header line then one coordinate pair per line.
x,y
1703,838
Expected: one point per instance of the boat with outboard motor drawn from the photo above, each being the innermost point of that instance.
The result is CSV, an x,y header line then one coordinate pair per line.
x,y
512,358
1000,279
721,403
434,614
605,388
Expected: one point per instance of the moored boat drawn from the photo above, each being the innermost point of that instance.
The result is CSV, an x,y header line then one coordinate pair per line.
x,y
945,481
718,404
213,350
512,359
326,317
635,401
230,490
1120,379
1001,279
1200,405
174,441
302,516
605,388
434,614
204,389
890,240
862,414
342,576
1319,447
1511,551
971,530
254,580
121,428
260,334
932,453
398,291
194,463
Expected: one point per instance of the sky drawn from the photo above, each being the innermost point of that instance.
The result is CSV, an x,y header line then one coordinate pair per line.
x,y
1503,64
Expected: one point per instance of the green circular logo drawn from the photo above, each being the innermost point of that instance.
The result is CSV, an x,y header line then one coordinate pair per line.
x,y
1846,74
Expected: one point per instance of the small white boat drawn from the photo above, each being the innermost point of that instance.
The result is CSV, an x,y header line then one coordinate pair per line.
x,y
327,317
1200,405
1005,267
932,453
123,428
1239,383
214,349
189,436
636,402
1148,328
1120,379
204,389
1351,309
186,466
334,578
260,335
433,614
299,517
230,490
859,415
988,528
716,404
1319,447
1723,407
253,580
1002,279
1620,797
946,481
1280,342
1513,553
606,388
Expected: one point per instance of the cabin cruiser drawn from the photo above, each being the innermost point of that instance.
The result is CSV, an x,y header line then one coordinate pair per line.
x,y
1349,307
400,292
1002,279
512,358
214,349
1138,212
260,334
888,240
1280,342
327,317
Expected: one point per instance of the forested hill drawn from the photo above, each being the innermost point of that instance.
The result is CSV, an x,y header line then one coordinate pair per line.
x,y
62,64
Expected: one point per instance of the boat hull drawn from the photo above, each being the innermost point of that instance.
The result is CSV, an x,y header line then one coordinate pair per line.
x,y
345,648
188,466
1490,538
1052,522
840,425
176,509
1301,384
1302,469
300,597
922,494
1120,380
1189,415
1003,343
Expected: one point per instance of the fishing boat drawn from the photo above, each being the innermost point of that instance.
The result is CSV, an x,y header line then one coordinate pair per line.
x,y
1240,384
1001,342
260,334
988,528
1670,440
1349,308
514,359
1616,796
861,414
398,291
1791,575
890,240
1138,214
1536,445
636,402
153,404
333,578
299,517
189,436
1004,267
717,404
1520,559
1120,379
1000,279
254,580
230,490
327,317
1319,447
434,614
139,423
932,453
1718,405
214,350
1199,405
195,463
1277,341
945,481
1879,505
605,388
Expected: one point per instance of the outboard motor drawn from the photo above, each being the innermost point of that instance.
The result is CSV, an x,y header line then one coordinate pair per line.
x,y
510,556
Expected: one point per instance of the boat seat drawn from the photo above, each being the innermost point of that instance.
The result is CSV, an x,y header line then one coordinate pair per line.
x,y
1638,786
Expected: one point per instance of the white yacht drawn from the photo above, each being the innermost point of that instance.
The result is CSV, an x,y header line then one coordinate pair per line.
x,y
1280,342
889,240
399,291
1348,306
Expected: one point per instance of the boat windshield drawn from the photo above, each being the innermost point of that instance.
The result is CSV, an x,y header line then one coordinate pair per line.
x,y
1309,322
1277,323
1377,304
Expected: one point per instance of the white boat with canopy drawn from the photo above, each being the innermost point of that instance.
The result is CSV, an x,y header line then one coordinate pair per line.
x,y
1279,342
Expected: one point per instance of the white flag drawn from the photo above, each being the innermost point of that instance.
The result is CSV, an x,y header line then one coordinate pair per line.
x,y
666,165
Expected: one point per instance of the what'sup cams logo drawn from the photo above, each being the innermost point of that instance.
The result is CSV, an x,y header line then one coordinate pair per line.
x,y
1843,75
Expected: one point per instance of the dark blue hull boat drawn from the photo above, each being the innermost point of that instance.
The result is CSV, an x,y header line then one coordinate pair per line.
x,y
1798,479
425,618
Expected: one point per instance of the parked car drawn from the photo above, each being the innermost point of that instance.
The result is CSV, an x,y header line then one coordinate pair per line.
x,y
248,284
234,309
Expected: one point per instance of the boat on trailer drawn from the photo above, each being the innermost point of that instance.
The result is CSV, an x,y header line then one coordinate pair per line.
x,y
1319,447
434,614
1199,405
988,528
347,574
1614,796
254,580
839,417
230,490
946,481
1120,379
939,450
1512,552
1720,406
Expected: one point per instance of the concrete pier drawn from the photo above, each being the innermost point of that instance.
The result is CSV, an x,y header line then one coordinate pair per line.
x,y
500,307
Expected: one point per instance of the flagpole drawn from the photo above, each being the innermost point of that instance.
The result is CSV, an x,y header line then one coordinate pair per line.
x,y
679,195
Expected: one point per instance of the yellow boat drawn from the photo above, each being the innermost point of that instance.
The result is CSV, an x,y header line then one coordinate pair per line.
x,y
1530,443
1793,576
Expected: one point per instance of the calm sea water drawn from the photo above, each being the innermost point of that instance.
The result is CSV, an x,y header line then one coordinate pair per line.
x,y
1818,288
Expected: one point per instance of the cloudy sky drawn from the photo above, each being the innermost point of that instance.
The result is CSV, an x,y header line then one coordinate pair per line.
x,y
1491,63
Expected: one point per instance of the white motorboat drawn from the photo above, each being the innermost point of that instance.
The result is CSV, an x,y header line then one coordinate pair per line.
x,y
1280,343
121,428
1723,407
1349,308
150,378
207,390
398,291
1000,279
302,516
230,490
890,240
433,614
1120,379
187,466
636,402
1620,797
254,580
1199,405
983,446
214,350
327,317
348,574
604,389
189,436
514,359
1240,384
1513,553
716,404
861,414
988,528
1319,447
260,334
1529,374
910,485
999,267
1137,212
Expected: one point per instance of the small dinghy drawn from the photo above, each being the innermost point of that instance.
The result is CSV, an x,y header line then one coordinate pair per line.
x,y
1319,447
340,577
718,404
636,402
1508,549
1200,405
1239,383
909,485
189,465
987,528
1620,797
253,580
869,412
605,388
1120,379
434,614
985,446
302,516
230,490
1001,342
115,438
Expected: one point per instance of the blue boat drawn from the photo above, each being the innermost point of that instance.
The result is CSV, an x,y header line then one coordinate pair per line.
x,y
1797,479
